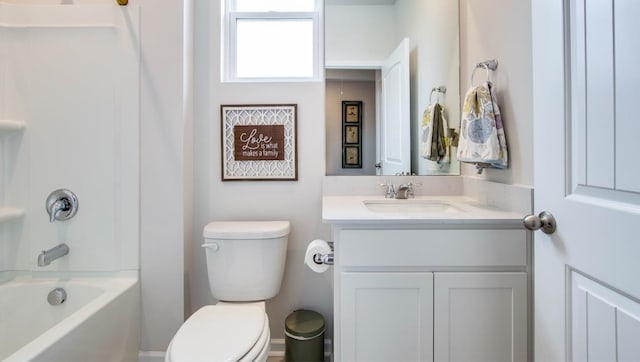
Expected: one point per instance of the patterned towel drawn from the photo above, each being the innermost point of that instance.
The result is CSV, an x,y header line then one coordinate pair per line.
x,y
435,144
482,138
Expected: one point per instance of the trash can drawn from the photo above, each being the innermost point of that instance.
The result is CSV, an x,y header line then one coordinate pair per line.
x,y
304,336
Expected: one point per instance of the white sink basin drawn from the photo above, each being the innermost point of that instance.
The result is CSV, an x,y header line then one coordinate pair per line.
x,y
410,206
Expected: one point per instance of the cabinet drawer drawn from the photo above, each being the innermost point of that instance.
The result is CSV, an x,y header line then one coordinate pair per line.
x,y
431,248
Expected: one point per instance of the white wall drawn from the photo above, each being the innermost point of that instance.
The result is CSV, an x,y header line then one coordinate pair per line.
x,y
297,201
162,172
501,29
432,28
373,41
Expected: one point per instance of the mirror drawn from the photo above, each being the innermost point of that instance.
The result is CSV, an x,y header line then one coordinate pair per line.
x,y
362,37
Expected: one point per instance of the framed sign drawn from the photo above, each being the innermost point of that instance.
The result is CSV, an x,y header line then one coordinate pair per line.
x,y
259,142
351,134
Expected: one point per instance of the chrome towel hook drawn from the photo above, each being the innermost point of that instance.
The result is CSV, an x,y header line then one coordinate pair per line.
x,y
487,65
439,90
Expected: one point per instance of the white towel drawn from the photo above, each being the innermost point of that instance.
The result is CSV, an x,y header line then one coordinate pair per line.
x,y
482,138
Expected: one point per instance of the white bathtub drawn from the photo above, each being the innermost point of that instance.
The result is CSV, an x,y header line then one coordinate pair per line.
x,y
99,321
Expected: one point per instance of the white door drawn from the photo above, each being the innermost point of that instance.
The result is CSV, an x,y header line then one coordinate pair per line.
x,y
586,60
394,128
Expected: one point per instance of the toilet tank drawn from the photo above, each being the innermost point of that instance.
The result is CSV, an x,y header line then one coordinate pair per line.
x,y
245,259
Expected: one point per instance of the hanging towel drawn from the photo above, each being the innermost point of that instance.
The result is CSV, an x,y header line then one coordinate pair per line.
x,y
435,144
482,138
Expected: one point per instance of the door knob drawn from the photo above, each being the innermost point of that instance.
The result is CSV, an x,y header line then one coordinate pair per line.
x,y
544,221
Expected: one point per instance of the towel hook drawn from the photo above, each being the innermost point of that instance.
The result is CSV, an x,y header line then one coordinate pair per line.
x,y
439,90
486,65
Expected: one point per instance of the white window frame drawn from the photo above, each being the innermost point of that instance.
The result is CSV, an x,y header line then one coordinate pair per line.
x,y
229,51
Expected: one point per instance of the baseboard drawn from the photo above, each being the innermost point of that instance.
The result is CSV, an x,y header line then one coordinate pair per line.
x,y
150,356
277,348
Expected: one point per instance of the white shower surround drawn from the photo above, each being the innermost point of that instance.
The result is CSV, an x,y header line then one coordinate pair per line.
x,y
69,118
70,77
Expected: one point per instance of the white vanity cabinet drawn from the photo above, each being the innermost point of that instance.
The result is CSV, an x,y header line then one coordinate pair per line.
x,y
422,293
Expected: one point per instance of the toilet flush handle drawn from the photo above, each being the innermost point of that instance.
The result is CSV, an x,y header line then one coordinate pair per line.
x,y
213,246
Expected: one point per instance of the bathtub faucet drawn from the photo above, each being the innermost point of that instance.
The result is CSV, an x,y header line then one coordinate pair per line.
x,y
47,256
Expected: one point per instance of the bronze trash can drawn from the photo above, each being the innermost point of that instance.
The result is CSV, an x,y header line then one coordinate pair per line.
x,y
304,336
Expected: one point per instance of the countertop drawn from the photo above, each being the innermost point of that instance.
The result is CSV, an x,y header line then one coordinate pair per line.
x,y
463,211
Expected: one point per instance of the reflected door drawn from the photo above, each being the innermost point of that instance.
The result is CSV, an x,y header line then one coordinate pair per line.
x,y
394,127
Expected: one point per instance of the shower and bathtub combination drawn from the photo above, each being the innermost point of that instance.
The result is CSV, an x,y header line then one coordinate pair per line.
x,y
69,121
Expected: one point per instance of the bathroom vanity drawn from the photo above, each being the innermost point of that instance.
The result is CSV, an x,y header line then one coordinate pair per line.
x,y
432,278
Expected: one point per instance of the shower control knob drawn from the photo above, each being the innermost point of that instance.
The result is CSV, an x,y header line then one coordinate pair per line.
x,y
61,204
544,221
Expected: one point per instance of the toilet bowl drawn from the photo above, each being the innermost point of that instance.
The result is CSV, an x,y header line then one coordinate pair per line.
x,y
238,332
245,265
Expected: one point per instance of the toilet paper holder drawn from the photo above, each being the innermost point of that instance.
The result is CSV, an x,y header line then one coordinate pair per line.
x,y
324,258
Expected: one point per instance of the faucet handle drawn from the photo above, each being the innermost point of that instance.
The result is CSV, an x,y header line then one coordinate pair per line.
x,y
391,191
410,192
61,204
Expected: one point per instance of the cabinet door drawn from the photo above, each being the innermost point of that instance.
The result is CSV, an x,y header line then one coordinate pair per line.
x,y
480,317
386,317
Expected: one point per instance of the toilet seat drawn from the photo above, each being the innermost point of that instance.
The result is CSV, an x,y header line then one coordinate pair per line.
x,y
222,333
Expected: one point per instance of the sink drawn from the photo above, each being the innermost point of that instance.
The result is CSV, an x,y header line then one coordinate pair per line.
x,y
410,206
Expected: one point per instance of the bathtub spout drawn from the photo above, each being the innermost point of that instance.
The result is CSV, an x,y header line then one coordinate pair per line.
x,y
47,256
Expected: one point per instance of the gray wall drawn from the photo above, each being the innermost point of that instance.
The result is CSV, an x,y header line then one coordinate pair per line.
x,y
336,92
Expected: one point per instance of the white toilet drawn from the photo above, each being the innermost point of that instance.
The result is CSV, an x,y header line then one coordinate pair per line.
x,y
245,263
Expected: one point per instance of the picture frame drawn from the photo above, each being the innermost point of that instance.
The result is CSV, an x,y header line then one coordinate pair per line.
x,y
352,157
352,111
259,142
351,134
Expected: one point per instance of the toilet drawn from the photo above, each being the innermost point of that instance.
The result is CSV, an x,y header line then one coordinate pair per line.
x,y
245,265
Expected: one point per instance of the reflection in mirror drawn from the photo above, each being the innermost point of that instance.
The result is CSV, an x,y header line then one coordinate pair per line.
x,y
361,37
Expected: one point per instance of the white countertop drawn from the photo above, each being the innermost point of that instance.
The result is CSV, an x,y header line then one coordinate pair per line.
x,y
464,211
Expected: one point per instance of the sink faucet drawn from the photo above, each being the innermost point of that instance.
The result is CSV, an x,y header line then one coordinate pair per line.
x,y
47,256
404,191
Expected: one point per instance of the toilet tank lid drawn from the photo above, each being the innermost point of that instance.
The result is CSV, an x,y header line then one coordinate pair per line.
x,y
246,229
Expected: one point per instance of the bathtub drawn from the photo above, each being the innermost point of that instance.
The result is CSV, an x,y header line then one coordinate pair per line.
x,y
98,321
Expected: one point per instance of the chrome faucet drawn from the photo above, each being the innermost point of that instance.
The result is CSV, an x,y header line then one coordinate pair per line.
x,y
404,190
47,256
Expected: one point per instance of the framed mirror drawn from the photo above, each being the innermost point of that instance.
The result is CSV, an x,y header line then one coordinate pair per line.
x,y
396,57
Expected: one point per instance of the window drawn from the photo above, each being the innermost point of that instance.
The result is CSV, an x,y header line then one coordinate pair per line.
x,y
271,40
